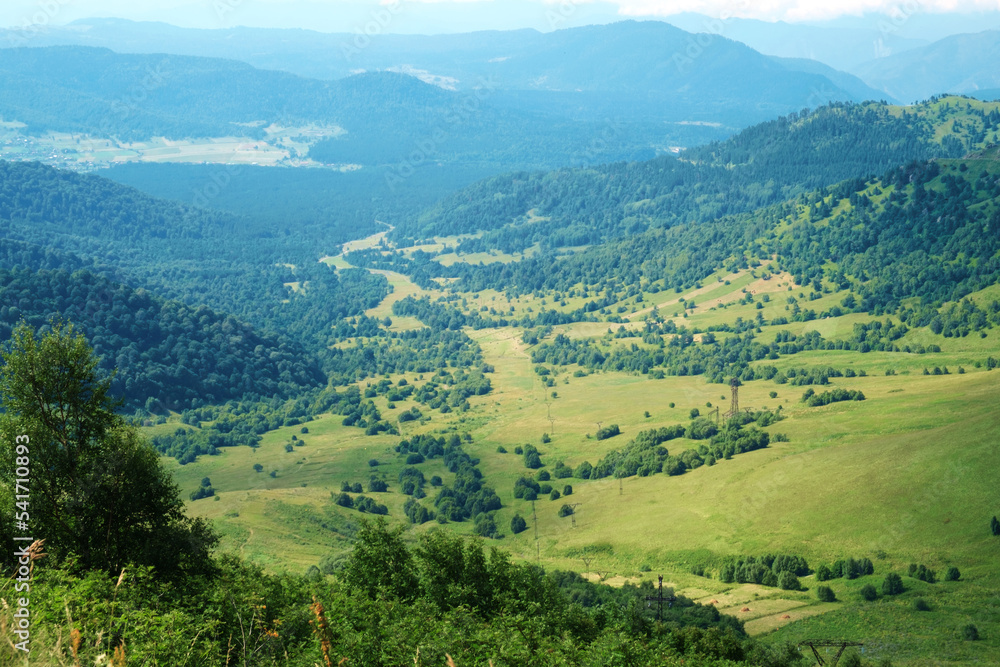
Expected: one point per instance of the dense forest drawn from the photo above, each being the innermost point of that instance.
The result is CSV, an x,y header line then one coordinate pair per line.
x,y
174,354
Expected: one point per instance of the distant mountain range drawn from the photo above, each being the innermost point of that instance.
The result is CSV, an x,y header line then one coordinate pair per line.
x,y
958,64
622,70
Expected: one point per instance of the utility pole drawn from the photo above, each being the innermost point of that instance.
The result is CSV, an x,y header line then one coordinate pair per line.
x,y
659,598
572,516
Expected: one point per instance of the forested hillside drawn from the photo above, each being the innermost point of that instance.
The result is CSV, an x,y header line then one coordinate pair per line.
x,y
762,165
172,354
237,264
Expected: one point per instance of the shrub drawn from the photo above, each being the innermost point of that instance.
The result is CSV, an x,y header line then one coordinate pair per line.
x,y
970,633
372,463
414,458
868,593
565,510
501,449
584,470
920,604
608,432
518,524
825,594
567,490
546,438
952,574
376,485
823,573
344,500
436,480
554,494
258,467
544,476
519,450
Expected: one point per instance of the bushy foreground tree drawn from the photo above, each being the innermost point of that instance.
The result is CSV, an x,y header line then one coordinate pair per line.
x,y
99,496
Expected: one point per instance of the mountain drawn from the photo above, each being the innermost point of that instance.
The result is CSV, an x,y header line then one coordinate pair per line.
x,y
848,82
958,64
628,70
839,47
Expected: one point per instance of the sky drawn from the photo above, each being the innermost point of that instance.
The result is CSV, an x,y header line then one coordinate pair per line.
x,y
438,16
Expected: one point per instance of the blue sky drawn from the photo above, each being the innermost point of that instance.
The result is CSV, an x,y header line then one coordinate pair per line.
x,y
438,16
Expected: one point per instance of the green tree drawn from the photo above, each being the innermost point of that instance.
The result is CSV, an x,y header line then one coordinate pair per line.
x,y
788,581
952,574
868,593
892,585
823,573
825,594
100,495
380,563
518,524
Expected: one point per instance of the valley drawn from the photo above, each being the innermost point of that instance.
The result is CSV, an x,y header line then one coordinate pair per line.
x,y
350,366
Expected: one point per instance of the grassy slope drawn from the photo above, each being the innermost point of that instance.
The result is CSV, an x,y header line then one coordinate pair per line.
x,y
908,475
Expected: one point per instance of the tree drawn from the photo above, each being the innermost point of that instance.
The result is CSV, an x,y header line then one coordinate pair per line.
x,y
565,510
952,574
868,593
892,585
100,494
788,581
518,524
258,467
825,594
823,573
995,526
381,563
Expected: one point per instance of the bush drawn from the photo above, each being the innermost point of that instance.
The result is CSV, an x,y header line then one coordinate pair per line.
x,y
372,463
436,480
544,476
868,593
258,467
608,432
414,458
565,510
376,485
920,604
546,439
825,594
344,500
584,470
518,524
892,585
519,450
970,633
952,574
501,449
823,573
554,495
567,490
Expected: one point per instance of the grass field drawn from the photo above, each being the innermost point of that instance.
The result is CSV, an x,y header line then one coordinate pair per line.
x,y
907,476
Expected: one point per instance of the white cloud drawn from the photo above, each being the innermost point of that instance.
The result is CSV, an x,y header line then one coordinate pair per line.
x,y
798,10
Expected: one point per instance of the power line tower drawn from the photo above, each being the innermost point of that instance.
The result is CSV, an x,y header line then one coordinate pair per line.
x,y
834,643
734,408
572,516
659,599
534,521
